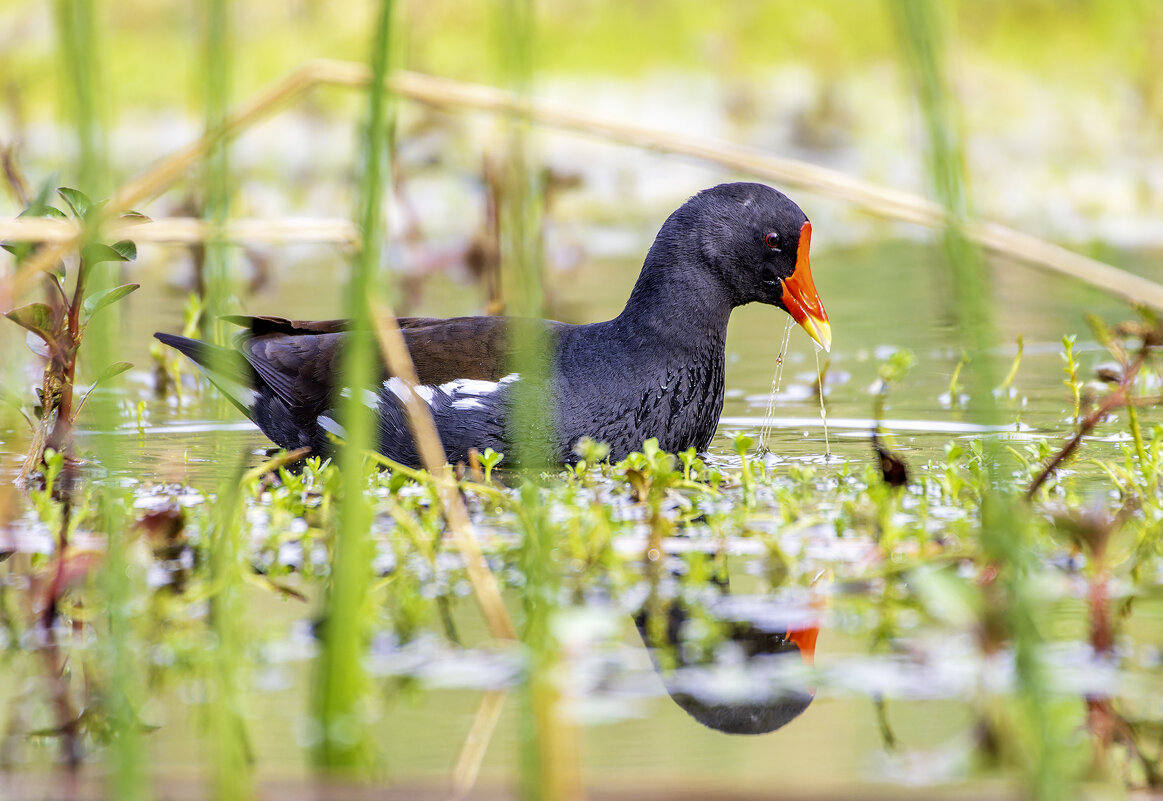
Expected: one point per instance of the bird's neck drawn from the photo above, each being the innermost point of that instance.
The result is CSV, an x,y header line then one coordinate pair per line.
x,y
675,306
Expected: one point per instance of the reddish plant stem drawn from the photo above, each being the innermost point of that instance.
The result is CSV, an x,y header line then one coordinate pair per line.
x,y
1118,397
68,364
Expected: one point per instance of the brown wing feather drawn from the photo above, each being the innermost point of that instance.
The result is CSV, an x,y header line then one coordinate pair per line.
x,y
461,347
259,325
301,359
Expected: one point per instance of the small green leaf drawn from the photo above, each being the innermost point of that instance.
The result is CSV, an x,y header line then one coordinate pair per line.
x,y
742,442
99,300
78,201
134,216
115,369
127,249
43,211
97,253
36,317
38,208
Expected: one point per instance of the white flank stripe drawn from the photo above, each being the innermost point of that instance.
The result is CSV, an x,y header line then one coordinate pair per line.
x,y
399,388
330,426
369,398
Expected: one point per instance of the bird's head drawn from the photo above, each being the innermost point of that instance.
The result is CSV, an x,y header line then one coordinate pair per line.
x,y
756,241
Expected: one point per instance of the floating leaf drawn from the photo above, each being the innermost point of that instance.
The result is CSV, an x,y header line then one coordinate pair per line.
x,y
36,317
78,201
99,300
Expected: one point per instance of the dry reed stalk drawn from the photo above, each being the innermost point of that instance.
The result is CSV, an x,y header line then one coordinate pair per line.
x,y
872,198
484,583
877,200
189,230
163,174
468,764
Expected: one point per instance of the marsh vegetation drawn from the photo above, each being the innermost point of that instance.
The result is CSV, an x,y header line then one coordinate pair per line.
x,y
955,584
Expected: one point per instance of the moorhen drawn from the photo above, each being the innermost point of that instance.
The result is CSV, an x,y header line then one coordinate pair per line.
x,y
655,370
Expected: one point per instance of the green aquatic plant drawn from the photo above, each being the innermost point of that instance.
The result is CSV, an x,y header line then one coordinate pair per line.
x,y
1072,381
57,326
1007,383
345,742
489,460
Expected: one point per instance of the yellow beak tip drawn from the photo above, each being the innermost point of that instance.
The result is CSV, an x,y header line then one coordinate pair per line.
x,y
820,331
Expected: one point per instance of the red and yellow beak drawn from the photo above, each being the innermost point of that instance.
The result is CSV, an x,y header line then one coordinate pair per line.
x,y
805,640
800,297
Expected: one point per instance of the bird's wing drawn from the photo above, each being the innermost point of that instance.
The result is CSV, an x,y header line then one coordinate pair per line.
x,y
301,360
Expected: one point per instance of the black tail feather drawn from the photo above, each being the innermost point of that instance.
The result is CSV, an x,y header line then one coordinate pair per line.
x,y
227,369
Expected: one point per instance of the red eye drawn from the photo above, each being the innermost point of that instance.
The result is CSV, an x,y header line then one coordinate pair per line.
x,y
772,240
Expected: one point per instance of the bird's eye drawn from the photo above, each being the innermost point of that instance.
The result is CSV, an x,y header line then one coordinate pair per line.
x,y
772,240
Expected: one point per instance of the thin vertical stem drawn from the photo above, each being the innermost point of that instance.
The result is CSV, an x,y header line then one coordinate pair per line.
x,y
341,680
218,62
80,47
521,251
77,30
231,770
1003,537
549,755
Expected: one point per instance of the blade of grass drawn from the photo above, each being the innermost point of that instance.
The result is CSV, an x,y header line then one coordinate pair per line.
x,y
341,682
217,62
79,44
1040,730
80,48
550,768
233,779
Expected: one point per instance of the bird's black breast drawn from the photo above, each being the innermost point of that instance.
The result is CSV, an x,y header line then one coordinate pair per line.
x,y
626,400
683,409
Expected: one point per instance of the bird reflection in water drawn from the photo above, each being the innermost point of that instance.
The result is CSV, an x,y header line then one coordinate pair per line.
x,y
754,678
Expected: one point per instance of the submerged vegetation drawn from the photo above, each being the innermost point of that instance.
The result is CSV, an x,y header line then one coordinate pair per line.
x,y
724,565
982,602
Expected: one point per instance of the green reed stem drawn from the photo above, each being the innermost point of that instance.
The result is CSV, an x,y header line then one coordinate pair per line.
x,y
1004,539
549,761
228,738
80,48
218,60
342,684
521,244
227,729
549,753
78,44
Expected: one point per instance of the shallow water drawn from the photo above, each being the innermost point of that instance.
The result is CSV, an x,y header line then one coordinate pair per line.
x,y
881,295
879,298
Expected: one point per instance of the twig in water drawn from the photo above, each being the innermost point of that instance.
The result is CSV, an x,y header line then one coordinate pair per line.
x,y
1118,397
444,92
431,452
468,764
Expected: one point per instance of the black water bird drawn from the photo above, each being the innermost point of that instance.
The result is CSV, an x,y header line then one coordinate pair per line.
x,y
769,696
655,370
